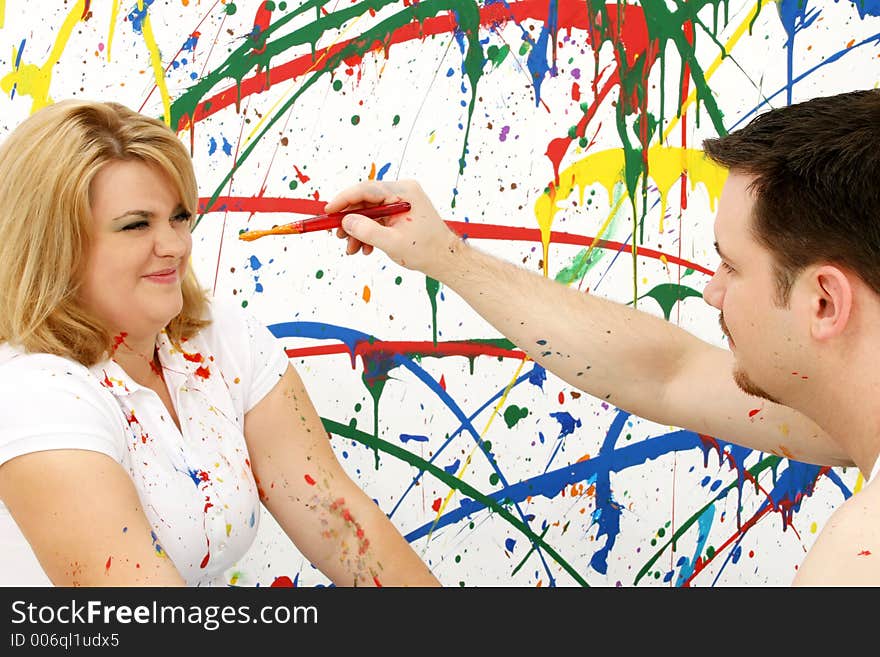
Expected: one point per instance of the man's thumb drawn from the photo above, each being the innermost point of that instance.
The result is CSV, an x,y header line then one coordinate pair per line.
x,y
364,229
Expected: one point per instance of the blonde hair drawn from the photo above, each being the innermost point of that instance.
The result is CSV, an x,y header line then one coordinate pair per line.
x,y
47,165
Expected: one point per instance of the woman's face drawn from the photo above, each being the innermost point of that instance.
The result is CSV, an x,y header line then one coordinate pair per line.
x,y
139,252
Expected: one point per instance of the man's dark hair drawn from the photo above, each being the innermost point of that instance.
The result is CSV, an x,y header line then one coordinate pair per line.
x,y
816,168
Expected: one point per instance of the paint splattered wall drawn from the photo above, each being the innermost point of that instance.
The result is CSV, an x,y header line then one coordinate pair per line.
x,y
559,135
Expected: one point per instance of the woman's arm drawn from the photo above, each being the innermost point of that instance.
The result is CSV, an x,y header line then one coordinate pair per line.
x,y
329,518
80,513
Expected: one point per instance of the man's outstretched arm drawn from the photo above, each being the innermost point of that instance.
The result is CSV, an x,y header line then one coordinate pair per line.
x,y
627,357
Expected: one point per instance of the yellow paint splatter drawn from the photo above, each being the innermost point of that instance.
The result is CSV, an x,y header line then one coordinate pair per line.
x,y
32,80
2,11
860,481
113,13
606,168
156,62
813,528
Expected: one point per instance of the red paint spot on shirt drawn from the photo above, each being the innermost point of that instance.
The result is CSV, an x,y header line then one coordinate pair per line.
x,y
205,560
561,397
754,412
442,382
436,505
282,582
203,372
309,480
194,358
863,553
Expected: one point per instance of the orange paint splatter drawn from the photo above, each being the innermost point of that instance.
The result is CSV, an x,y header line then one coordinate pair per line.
x,y
203,372
366,294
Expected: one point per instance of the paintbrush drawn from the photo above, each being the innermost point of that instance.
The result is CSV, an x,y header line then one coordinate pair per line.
x,y
326,221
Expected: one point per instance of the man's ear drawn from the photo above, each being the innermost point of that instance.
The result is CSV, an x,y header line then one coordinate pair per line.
x,y
831,304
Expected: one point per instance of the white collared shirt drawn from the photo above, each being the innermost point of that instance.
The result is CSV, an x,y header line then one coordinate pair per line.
x,y
195,484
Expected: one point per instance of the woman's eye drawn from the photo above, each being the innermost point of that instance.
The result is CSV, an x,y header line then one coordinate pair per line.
x,y
136,225
726,267
183,216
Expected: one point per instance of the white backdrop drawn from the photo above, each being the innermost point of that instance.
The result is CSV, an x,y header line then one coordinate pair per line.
x,y
481,102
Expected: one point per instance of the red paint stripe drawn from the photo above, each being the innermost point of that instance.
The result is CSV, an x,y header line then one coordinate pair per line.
x,y
428,348
471,230
570,15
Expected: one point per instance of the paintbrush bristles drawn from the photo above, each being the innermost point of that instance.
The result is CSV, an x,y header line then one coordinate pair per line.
x,y
287,229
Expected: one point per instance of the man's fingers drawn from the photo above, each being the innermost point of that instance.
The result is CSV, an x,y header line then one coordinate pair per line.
x,y
370,193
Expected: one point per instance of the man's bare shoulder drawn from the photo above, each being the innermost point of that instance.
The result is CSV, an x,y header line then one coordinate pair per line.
x,y
847,550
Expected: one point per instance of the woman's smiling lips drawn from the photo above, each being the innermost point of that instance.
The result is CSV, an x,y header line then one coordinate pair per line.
x,y
163,276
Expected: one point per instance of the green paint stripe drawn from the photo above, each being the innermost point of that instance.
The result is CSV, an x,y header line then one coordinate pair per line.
x,y
454,483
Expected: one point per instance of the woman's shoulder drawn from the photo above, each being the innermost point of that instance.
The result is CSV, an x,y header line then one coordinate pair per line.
x,y
41,374
17,361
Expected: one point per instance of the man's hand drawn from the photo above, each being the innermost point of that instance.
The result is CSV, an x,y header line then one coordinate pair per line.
x,y
418,239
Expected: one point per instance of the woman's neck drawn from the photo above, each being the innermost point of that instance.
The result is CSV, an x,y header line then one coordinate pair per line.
x,y
138,357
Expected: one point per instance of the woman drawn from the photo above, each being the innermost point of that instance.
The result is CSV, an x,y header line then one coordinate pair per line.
x,y
141,424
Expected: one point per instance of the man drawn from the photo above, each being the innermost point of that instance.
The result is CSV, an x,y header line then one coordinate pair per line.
x,y
798,289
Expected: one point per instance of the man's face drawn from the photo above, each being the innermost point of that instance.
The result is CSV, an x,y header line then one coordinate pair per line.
x,y
762,335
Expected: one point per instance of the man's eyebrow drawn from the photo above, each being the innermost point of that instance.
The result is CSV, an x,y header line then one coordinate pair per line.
x,y
720,253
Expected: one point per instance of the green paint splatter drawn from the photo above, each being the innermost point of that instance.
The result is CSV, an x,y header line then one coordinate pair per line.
x,y
668,294
230,9
398,280
244,304
395,120
293,184
433,287
513,414
588,258
355,119
496,55
494,479
319,274
337,85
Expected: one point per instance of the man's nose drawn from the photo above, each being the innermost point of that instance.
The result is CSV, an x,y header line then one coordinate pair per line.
x,y
713,293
